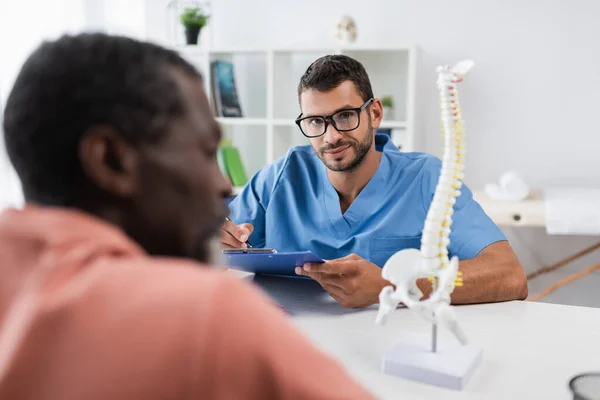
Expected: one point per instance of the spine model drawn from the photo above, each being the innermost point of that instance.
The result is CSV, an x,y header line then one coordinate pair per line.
x,y
436,232
408,266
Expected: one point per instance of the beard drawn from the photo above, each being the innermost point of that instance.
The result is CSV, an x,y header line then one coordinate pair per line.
x,y
360,149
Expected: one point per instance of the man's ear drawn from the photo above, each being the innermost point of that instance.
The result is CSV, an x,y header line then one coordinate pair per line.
x,y
108,161
376,113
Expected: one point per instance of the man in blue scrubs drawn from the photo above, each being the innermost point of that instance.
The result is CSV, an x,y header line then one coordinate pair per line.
x,y
354,199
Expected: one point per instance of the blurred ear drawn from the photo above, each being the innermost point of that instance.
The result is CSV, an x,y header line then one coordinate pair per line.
x,y
376,110
108,161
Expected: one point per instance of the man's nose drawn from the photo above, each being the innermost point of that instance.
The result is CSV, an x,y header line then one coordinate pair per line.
x,y
332,135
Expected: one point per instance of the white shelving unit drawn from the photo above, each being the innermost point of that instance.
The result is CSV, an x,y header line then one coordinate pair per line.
x,y
267,80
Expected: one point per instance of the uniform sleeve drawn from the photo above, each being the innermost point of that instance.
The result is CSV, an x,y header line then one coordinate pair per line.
x,y
251,204
472,229
264,356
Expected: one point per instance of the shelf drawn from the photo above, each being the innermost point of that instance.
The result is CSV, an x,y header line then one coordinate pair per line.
x,y
284,122
393,124
191,50
380,48
266,79
242,121
233,50
195,49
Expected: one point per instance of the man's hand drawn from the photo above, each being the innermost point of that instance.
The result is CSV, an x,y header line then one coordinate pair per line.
x,y
235,236
352,281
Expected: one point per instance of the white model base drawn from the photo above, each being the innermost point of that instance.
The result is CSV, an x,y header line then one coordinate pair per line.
x,y
451,366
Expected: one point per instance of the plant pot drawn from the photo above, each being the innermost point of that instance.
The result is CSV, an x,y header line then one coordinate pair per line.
x,y
191,34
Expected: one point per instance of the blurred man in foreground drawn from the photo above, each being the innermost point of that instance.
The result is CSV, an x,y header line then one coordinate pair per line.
x,y
115,145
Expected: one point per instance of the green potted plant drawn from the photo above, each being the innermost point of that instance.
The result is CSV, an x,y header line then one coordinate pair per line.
x,y
193,20
388,106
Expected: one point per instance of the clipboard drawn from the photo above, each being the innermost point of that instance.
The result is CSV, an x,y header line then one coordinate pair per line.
x,y
270,263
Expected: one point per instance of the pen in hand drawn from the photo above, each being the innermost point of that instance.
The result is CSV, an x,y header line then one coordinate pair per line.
x,y
247,242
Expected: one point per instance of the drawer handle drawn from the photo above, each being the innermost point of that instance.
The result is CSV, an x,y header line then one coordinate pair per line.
x,y
517,217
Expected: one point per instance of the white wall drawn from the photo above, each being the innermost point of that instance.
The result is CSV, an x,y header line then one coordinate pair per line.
x,y
47,20
530,104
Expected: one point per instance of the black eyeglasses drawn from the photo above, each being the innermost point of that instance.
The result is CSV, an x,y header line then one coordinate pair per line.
x,y
344,120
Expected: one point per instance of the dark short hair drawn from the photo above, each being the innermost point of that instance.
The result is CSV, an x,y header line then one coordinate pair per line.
x,y
328,72
69,85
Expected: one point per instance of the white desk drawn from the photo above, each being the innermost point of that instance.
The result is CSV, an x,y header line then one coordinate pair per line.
x,y
530,350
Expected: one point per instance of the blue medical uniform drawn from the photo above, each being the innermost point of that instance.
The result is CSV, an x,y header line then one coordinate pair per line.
x,y
294,207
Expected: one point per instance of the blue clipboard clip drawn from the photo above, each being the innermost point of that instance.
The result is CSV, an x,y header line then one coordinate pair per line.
x,y
269,262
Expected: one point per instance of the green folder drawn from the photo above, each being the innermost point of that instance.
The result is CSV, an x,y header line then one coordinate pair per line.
x,y
234,165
